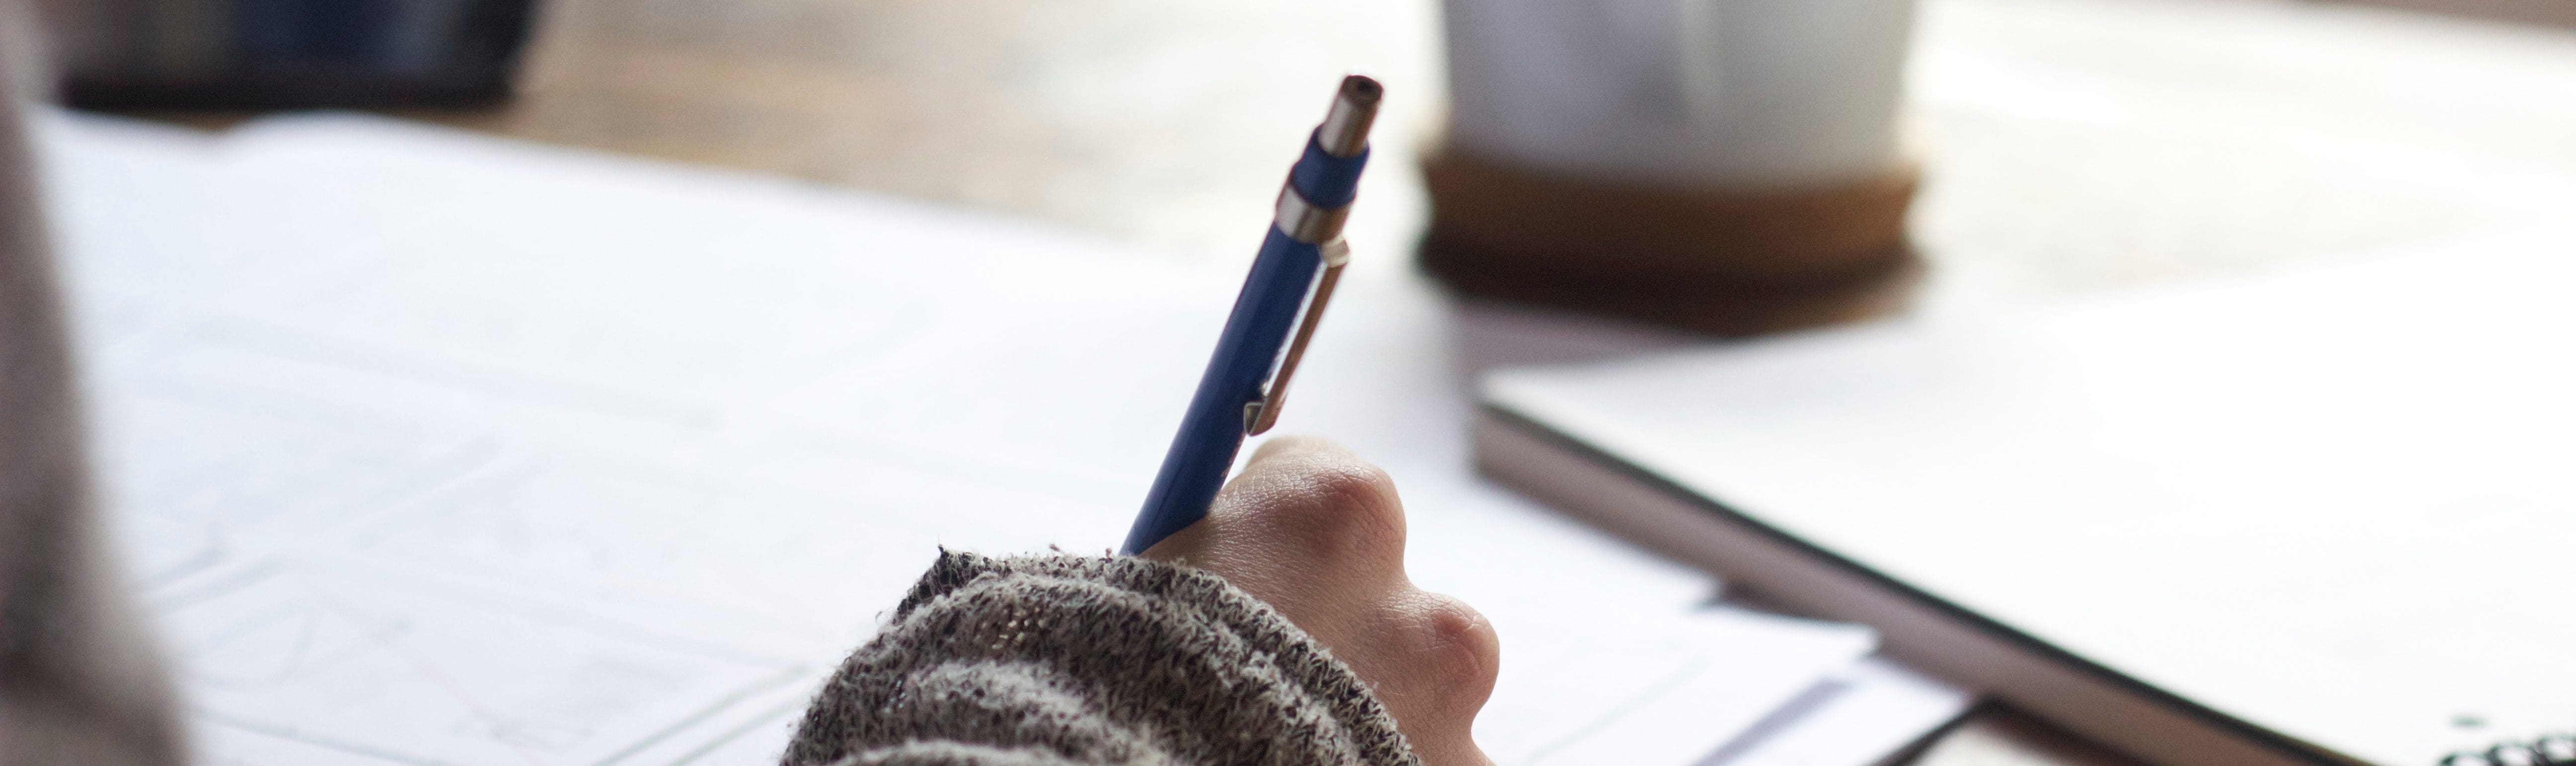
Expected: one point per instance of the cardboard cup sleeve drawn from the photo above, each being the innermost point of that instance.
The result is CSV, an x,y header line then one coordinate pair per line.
x,y
1721,261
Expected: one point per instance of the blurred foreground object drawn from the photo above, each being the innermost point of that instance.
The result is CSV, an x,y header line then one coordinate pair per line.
x,y
258,54
79,683
1730,167
2559,13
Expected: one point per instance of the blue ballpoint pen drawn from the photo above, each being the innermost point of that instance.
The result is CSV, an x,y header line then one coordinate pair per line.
x,y
1302,256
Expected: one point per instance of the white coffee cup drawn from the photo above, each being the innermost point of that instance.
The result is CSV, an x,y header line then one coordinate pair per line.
x,y
1736,94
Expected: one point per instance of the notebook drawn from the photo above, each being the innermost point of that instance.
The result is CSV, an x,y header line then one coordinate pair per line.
x,y
2320,517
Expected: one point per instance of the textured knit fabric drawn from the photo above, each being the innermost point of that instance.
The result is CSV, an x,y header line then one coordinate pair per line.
x,y
1078,660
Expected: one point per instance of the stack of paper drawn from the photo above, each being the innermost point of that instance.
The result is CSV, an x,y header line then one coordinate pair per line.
x,y
431,448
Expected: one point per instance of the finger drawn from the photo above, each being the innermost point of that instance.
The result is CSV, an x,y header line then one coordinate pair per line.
x,y
1432,660
1302,503
1451,656
1195,542
1321,499
1309,528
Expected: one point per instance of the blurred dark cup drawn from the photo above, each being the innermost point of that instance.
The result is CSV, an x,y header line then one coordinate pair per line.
x,y
268,54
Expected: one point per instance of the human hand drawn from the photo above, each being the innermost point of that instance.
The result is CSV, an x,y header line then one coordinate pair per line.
x,y
1319,535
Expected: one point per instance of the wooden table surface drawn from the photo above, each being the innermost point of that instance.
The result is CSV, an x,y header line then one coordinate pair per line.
x,y
2073,146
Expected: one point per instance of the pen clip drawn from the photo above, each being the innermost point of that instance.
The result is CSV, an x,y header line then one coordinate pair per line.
x,y
1259,415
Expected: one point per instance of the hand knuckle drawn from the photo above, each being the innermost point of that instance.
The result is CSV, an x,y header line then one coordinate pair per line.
x,y
1459,644
1343,515
1351,496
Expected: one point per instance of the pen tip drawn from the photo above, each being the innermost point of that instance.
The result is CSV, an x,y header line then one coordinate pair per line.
x,y
1361,89
1345,129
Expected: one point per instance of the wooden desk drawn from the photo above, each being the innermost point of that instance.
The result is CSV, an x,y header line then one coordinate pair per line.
x,y
2073,146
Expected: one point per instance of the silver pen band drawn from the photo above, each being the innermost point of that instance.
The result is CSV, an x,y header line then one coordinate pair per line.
x,y
1304,222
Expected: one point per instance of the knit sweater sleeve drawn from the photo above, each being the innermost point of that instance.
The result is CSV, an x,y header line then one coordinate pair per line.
x,y
1083,660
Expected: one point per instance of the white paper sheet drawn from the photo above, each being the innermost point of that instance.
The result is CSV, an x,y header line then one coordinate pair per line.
x,y
441,449
1865,714
1671,695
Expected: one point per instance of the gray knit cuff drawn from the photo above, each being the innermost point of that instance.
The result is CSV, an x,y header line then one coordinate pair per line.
x,y
1068,659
